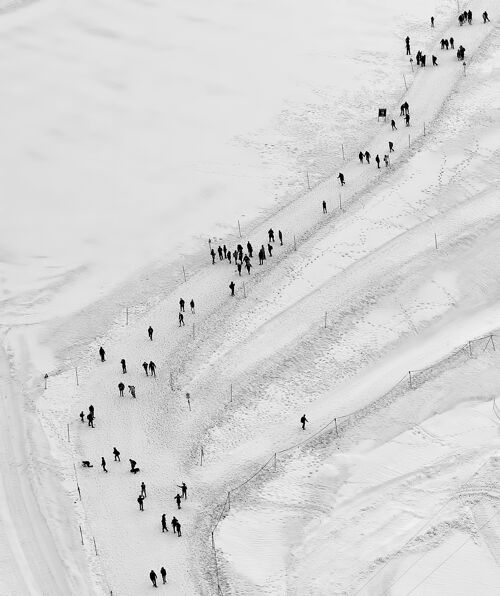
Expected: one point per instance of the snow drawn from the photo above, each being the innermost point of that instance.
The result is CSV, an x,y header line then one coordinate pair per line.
x,y
197,116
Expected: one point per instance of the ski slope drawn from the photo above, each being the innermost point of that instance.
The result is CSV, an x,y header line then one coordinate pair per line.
x,y
354,515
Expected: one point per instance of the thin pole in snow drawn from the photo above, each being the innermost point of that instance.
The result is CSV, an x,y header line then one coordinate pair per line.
x,y
436,241
213,541
411,64
493,343
325,318
470,349
404,79
308,185
294,243
239,228
409,141
95,546
184,273
275,462
409,374
45,377
340,201
76,375
343,156
336,427
424,129
244,291
81,534
229,499
188,397
171,382
127,316
201,457
68,433
231,393
465,69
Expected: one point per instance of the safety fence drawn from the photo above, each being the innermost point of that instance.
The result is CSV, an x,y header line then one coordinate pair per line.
x,y
339,425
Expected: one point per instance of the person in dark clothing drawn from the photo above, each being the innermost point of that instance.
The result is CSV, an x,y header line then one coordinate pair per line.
x,y
174,523
131,388
442,44
446,44
229,256
248,265
303,421
393,125
124,365
341,178
280,237
402,108
116,453
224,250
432,22
386,160
145,367
261,256
361,156
377,159
246,259
177,498
423,59
143,490
452,43
324,207
407,107
121,387
150,333
231,287
82,416
486,18
163,575
219,250
152,577
86,464
391,147
181,305
178,528
212,254
270,250
250,249
164,527
238,266
152,368
367,157
434,61
90,418
270,233
407,41
91,409
191,304
133,464
461,19
102,354
103,464
235,255
407,119
469,17
184,490
181,319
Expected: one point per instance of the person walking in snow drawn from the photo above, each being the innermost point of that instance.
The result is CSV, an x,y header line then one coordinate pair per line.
x,y
231,287
432,22
280,237
178,528
116,453
152,368
177,498
341,178
238,266
452,43
250,249
262,255
391,147
102,354
386,160
91,409
212,254
103,464
124,365
248,266
164,527
303,421
224,250
184,490
407,119
90,418
143,490
140,500
407,41
324,207
181,305
393,125
361,156
174,523
191,304
377,159
181,319
402,108
423,60
270,250
486,18
469,17
367,157
121,387
150,333
152,577
270,233
131,388
434,60
133,464
82,416
219,250
163,573
229,256
145,367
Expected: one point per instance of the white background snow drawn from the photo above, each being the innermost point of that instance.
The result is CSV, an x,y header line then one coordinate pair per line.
x,y
134,131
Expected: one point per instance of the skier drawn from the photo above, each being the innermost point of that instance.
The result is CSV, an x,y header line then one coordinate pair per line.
x,y
164,527
303,421
361,157
250,249
82,415
212,254
248,265
124,365
103,464
434,61
432,22
231,287
324,207
177,498
219,250
341,178
133,464
143,490
150,333
102,354
270,250
485,17
407,119
367,157
386,160
116,453
238,266
121,387
377,159
163,575
131,388
145,367
280,237
152,368
152,577
90,418
271,235
391,147
174,523
191,304
181,305
184,490
181,319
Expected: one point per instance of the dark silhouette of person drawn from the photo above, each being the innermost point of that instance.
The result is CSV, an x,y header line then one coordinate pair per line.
x,y
377,159
361,156
131,388
386,160
174,523
103,464
486,18
434,61
121,387
270,250
164,527
238,266
212,253
442,44
181,305
271,235
229,256
423,59
145,367
82,416
419,56
231,287
219,250
178,527
402,108
116,453
303,421
152,368
133,464
452,43
432,22
191,304
446,44
407,119
262,255
181,319
391,147
461,19
280,237
152,576
91,409
124,365
163,575
150,333
143,490
102,354
469,17
250,249
248,265
90,418
224,250
367,157
407,41
184,490
324,207
177,498
341,178
86,464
